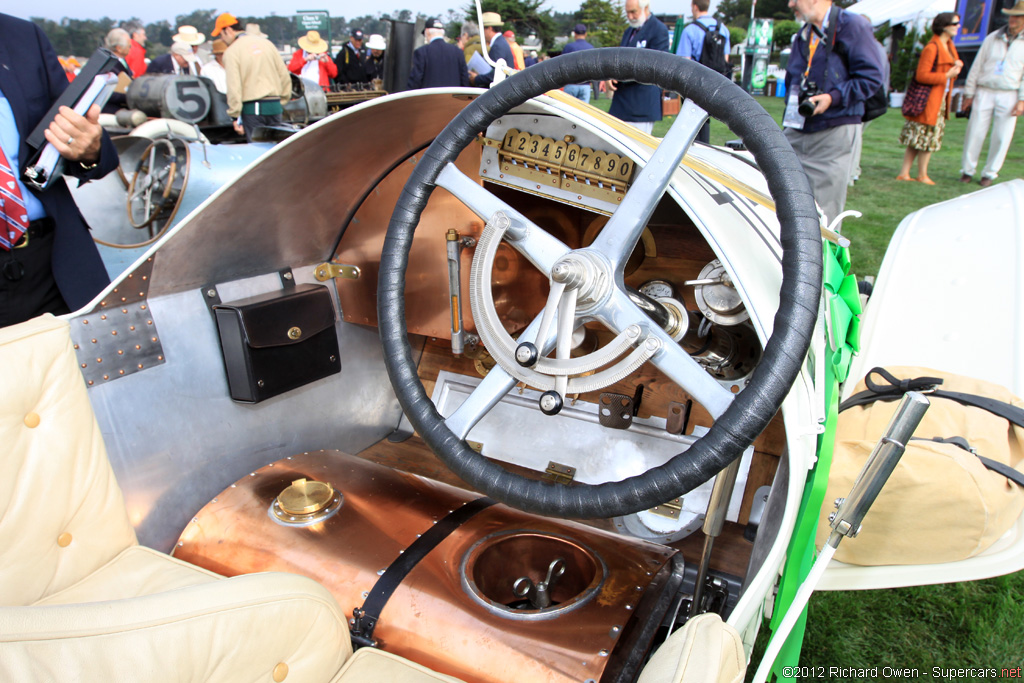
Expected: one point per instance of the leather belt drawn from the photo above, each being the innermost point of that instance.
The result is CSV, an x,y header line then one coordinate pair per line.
x,y
40,227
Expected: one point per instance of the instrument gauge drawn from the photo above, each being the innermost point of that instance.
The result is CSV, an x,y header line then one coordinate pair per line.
x,y
658,289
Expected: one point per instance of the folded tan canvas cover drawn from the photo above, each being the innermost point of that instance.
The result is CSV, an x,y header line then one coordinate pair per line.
x,y
941,503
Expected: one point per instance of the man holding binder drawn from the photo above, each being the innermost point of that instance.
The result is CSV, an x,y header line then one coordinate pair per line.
x,y
48,261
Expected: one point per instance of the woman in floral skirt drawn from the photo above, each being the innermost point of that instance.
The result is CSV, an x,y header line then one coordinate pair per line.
x,y
938,66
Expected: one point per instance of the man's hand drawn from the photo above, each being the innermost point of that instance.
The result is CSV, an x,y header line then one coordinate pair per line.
x,y
76,138
821,103
966,104
1018,108
238,128
612,85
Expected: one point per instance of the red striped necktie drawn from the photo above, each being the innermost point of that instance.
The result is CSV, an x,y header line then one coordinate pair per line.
x,y
13,217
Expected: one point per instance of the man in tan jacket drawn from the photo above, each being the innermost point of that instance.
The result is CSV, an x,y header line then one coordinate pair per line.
x,y
258,82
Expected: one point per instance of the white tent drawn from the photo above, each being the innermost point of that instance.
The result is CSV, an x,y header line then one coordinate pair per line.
x,y
901,11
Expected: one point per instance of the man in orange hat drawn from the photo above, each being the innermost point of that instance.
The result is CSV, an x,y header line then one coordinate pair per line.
x,y
259,85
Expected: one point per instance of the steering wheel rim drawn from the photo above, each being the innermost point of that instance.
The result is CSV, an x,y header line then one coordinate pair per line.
x,y
751,410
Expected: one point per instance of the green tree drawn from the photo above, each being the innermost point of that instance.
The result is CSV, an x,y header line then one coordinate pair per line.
x,y
605,21
737,35
784,32
203,19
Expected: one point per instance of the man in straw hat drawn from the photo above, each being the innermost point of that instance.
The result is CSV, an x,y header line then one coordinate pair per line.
x,y
497,48
259,85
214,69
995,95
192,37
437,64
312,62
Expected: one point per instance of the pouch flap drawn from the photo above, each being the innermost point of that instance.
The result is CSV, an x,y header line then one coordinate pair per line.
x,y
284,317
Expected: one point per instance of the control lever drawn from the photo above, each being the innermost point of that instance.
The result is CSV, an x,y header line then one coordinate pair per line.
x,y
539,594
454,244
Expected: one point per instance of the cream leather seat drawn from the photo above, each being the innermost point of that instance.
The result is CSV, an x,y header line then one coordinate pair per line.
x,y
81,600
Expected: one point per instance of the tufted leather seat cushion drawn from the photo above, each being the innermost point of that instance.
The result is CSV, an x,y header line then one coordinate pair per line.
x,y
57,486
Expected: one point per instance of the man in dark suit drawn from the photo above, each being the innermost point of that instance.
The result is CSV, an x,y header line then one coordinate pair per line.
x,y
497,48
437,64
176,61
637,104
54,266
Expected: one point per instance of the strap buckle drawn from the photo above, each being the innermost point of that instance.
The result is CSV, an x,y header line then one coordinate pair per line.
x,y
23,242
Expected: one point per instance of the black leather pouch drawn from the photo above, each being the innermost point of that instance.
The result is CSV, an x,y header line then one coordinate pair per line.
x,y
276,342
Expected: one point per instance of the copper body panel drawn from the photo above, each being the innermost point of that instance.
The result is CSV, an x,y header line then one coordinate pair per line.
x,y
426,290
440,615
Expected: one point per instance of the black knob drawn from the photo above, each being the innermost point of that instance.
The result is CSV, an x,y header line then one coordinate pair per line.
x,y
527,355
550,402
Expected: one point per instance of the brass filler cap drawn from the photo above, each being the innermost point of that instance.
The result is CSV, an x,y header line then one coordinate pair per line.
x,y
305,497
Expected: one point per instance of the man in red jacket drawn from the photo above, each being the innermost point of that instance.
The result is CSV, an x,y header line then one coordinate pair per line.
x,y
137,53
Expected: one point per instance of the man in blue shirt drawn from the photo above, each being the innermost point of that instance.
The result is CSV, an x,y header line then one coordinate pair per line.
x,y
581,91
691,45
54,266
637,104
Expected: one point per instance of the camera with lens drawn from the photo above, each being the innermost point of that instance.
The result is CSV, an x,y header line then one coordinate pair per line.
x,y
808,89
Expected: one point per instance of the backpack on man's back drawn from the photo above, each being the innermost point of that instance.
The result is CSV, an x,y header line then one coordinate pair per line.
x,y
712,55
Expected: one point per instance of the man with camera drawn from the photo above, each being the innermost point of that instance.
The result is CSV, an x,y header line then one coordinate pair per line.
x,y
833,68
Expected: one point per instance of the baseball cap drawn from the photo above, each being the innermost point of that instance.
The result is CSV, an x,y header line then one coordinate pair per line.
x,y
433,22
223,21
357,33
580,29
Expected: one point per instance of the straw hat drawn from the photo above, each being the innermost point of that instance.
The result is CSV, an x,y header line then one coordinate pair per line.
x,y
219,47
313,43
376,42
189,35
494,19
1015,11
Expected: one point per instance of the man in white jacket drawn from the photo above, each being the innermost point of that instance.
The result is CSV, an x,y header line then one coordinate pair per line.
x,y
995,94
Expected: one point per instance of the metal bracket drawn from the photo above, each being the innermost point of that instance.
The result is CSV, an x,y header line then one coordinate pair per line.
x,y
672,509
329,271
559,473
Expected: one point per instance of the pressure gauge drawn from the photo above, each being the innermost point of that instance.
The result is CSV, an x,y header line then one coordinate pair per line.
x,y
658,289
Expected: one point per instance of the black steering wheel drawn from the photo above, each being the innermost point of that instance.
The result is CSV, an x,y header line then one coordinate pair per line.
x,y
739,419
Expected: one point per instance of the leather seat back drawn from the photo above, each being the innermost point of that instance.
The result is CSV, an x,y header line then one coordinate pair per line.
x,y
62,515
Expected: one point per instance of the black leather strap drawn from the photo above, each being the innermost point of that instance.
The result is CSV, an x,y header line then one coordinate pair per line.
x,y
366,616
893,389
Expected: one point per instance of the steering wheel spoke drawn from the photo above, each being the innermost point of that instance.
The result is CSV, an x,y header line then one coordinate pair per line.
x,y
536,244
619,236
621,313
485,396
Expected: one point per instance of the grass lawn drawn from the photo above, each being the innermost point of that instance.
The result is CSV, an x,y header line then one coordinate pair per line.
x,y
977,624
